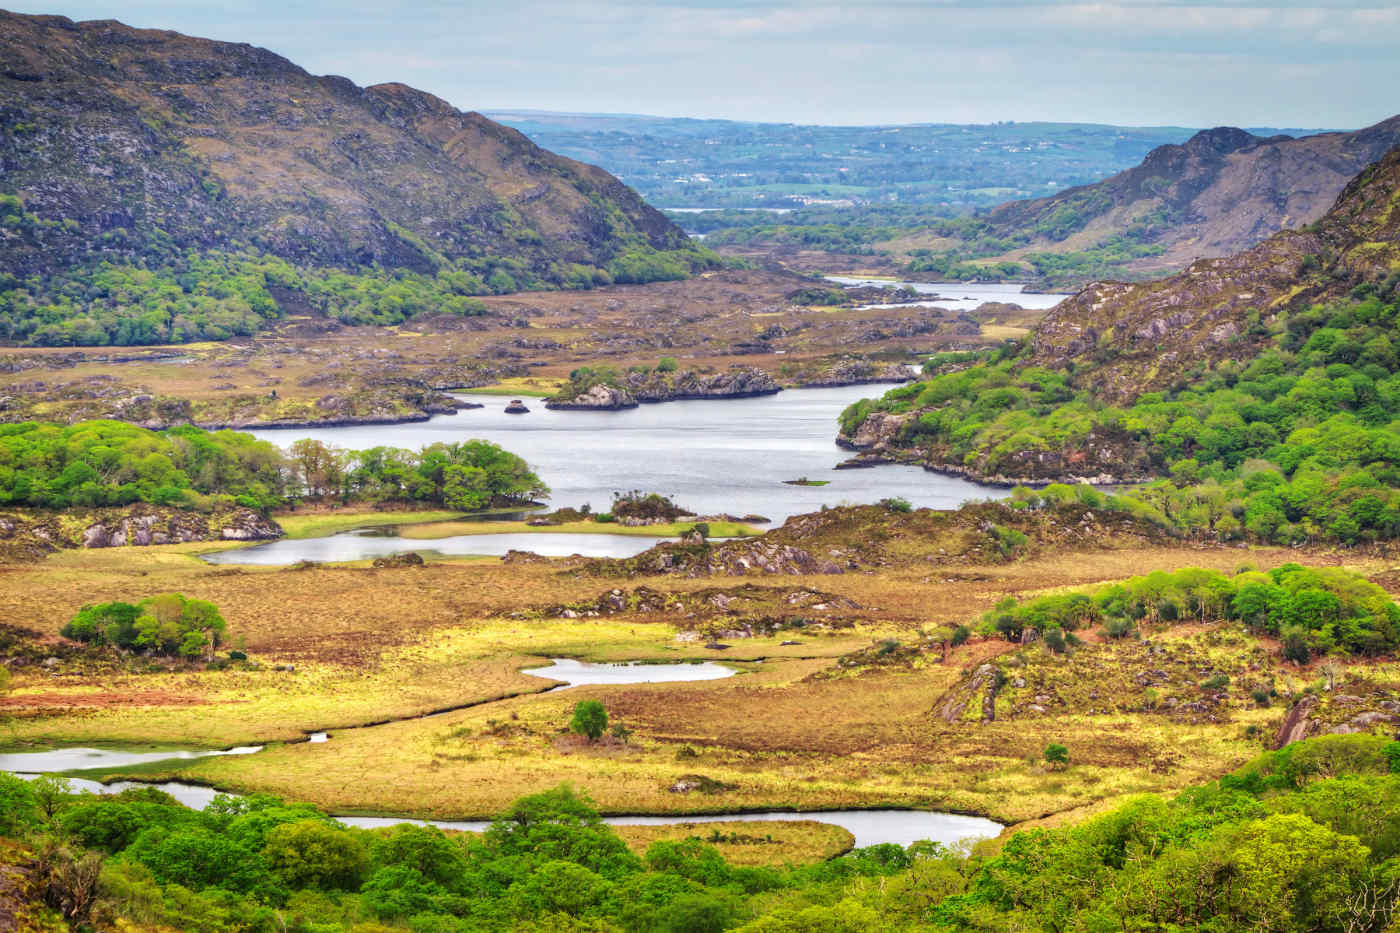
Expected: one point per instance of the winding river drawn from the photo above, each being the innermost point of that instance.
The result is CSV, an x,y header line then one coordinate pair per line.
x,y
869,827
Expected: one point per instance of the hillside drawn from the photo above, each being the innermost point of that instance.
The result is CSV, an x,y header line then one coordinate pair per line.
x,y
1145,337
1265,385
231,174
1222,191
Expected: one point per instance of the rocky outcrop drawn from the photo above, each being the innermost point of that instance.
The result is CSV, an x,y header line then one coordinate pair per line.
x,y
657,386
737,382
734,559
855,372
984,684
392,561
597,398
139,525
879,432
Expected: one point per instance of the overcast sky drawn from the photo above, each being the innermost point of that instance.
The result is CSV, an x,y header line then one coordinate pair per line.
x,y
1312,63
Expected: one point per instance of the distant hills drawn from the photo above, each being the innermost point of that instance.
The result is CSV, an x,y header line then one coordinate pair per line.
x,y
1220,192
1126,339
136,147
678,162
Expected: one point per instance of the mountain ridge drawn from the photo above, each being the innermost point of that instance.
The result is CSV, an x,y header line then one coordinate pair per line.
x,y
132,146
1220,192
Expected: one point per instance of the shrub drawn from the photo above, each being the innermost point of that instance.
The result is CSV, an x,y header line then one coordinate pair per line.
x,y
960,635
897,504
1260,696
1056,755
590,719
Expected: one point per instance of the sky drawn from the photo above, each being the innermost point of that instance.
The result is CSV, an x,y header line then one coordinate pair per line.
x,y
1312,63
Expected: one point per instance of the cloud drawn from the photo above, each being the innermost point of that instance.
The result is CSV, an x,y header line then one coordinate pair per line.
x,y
1185,62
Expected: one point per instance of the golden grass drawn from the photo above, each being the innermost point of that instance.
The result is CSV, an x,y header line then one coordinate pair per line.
x,y
370,645
318,524
776,843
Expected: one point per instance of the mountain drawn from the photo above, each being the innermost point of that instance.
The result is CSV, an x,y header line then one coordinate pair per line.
x,y
1265,384
133,146
1147,336
1220,192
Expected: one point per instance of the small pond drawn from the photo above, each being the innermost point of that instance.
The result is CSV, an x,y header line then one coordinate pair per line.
x,y
369,543
579,673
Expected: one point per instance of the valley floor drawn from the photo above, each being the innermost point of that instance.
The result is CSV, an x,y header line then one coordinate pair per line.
x,y
342,648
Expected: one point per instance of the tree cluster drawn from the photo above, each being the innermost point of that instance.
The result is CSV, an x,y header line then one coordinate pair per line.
x,y
1303,840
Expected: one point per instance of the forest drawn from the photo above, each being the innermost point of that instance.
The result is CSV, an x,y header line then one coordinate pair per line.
x,y
1302,839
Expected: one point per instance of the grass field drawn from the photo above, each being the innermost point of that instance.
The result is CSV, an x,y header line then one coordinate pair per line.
x,y
794,730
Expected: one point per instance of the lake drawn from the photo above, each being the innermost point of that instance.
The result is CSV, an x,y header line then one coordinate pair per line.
x,y
713,456
958,296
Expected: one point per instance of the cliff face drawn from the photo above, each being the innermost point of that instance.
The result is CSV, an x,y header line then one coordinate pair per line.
x,y
124,140
1222,191
1143,337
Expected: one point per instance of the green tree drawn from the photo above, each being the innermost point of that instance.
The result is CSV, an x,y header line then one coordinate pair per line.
x,y
1056,755
590,719
314,854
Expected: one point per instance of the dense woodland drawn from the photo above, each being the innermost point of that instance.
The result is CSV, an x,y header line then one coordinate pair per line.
x,y
107,463
1299,444
170,295
1303,839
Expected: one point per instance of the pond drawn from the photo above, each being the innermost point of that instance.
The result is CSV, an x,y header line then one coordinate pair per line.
x,y
714,456
579,673
370,543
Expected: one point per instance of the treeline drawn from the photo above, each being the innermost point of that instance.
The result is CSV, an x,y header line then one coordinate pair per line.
x,y
1312,611
112,463
467,475
1300,444
1303,839
170,296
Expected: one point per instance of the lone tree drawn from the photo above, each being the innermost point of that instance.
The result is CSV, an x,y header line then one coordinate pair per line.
x,y
1056,756
590,719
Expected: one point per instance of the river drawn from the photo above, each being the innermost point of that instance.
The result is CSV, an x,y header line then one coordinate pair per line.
x,y
712,456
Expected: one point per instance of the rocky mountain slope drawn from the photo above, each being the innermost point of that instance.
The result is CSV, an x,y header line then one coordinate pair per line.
x,y
1222,191
1147,336
126,145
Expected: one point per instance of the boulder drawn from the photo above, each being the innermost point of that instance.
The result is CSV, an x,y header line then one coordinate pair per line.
x,y
597,398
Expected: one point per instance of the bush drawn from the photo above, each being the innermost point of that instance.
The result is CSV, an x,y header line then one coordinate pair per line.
x,y
897,504
960,635
169,624
590,719
1056,755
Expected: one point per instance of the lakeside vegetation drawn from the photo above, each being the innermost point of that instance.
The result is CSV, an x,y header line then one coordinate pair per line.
x,y
111,463
1298,444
